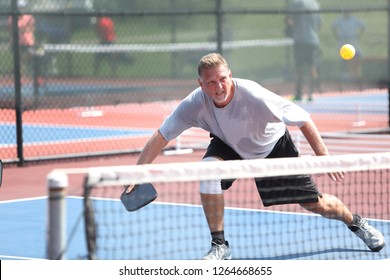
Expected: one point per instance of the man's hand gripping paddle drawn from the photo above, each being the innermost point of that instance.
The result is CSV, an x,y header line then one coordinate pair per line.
x,y
138,197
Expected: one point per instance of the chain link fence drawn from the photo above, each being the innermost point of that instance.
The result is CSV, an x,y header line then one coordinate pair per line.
x,y
73,93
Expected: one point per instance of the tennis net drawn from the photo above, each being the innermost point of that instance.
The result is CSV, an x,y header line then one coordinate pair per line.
x,y
174,226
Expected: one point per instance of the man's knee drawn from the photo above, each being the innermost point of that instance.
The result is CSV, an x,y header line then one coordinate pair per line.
x,y
210,186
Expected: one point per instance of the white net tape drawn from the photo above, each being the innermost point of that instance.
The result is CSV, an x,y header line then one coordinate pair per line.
x,y
195,171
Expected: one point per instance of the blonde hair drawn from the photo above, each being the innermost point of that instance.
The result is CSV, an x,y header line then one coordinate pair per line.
x,y
211,60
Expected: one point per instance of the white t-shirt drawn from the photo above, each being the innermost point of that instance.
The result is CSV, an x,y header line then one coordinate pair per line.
x,y
251,123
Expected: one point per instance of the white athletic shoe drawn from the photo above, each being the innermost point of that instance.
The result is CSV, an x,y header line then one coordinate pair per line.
x,y
218,252
373,238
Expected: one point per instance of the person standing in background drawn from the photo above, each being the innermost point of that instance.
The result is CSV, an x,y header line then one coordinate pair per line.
x,y
105,31
303,23
347,29
26,26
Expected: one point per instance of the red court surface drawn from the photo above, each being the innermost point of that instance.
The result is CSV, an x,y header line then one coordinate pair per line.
x,y
30,181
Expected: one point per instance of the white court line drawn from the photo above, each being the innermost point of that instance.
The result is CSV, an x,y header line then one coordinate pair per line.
x,y
5,257
23,199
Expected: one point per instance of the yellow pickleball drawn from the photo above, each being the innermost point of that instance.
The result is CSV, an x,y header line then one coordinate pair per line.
x,y
347,52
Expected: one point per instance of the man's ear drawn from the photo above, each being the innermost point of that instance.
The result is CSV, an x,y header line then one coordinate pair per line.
x,y
200,82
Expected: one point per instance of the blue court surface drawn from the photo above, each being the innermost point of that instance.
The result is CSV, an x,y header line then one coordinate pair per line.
x,y
373,103
33,134
172,231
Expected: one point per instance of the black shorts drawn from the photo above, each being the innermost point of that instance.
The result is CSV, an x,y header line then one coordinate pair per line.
x,y
272,190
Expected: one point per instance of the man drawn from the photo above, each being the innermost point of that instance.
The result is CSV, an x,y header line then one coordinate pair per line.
x,y
348,29
105,31
303,26
247,121
26,26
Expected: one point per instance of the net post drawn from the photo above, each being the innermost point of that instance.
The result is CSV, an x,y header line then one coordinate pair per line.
x,y
57,183
359,121
89,218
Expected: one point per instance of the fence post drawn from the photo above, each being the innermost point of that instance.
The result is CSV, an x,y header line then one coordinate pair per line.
x,y
57,183
220,23
388,61
17,83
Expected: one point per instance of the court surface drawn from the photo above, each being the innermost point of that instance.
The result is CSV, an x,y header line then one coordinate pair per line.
x,y
279,241
33,133
23,230
349,103
78,130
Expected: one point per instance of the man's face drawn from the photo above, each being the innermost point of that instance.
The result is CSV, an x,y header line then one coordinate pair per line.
x,y
217,83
